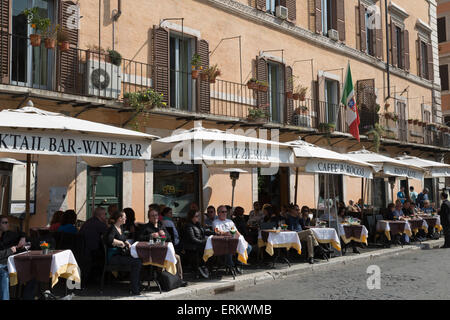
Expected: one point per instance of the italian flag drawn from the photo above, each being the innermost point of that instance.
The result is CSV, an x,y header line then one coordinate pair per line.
x,y
348,99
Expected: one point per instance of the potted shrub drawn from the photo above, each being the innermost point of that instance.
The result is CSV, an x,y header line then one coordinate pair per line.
x,y
304,109
394,117
196,65
420,123
63,40
263,86
256,115
410,121
300,92
115,57
327,127
252,84
212,72
289,95
424,124
37,23
388,115
50,36
415,121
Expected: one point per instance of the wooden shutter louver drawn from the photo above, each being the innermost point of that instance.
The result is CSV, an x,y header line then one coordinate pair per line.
x,y
262,75
291,5
430,62
393,45
379,43
362,27
419,57
366,101
318,14
204,87
340,14
161,62
289,88
261,5
406,55
68,61
4,40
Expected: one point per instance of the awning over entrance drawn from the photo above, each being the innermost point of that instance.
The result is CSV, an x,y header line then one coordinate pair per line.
x,y
33,131
434,169
387,166
319,160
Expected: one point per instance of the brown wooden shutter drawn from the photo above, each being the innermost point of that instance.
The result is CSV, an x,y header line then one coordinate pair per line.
x,y
161,62
291,5
289,87
407,64
4,40
379,43
261,5
68,60
393,45
362,27
204,95
318,13
419,57
262,75
430,62
340,14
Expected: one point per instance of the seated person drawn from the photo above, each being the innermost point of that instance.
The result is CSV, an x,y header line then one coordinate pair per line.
x,y
56,221
341,215
270,220
167,221
68,221
239,221
305,219
210,217
194,242
256,216
351,207
407,211
119,250
414,208
427,208
129,227
397,213
293,219
390,212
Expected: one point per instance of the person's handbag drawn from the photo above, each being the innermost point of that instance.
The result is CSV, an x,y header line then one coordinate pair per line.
x,y
168,281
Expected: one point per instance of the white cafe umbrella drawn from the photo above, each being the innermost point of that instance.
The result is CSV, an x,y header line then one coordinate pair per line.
x,y
434,169
31,130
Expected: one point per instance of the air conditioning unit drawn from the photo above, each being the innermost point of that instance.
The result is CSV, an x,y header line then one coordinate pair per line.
x,y
281,12
104,79
333,34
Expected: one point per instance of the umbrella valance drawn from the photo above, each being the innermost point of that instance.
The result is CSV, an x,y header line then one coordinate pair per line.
x,y
434,169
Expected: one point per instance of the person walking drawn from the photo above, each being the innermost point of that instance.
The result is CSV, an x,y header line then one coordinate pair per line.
x,y
413,195
445,218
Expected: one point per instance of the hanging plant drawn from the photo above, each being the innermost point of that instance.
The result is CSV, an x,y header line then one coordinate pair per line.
x,y
263,86
256,115
115,57
252,84
377,132
142,101
327,129
212,72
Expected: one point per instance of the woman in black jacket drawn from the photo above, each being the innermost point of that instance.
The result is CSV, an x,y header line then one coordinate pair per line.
x,y
119,250
194,241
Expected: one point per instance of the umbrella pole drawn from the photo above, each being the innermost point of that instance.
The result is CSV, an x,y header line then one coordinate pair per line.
x,y
27,194
296,185
200,195
94,191
233,184
362,196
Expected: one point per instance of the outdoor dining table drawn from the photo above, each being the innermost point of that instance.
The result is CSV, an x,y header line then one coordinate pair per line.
x,y
357,233
156,254
394,227
224,245
433,222
327,236
416,224
279,239
29,265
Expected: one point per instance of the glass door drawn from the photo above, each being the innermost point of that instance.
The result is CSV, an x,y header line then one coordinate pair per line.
x,y
181,51
276,91
331,99
30,66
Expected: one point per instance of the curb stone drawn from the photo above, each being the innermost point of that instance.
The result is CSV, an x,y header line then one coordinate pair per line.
x,y
250,280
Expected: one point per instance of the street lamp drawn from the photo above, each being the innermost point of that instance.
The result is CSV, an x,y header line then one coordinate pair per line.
x,y
234,175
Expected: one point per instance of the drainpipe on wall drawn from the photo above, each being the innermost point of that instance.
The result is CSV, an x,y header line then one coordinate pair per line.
x,y
116,15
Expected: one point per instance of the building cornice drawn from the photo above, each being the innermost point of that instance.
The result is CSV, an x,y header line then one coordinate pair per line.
x,y
260,17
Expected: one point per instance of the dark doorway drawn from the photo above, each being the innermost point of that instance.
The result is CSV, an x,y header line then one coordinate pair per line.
x,y
274,189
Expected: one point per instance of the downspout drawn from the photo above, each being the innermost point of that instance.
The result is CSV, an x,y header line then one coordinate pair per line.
x,y
116,15
387,51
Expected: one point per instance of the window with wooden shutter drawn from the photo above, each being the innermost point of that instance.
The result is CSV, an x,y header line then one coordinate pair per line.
x,y
430,62
394,45
366,101
362,27
318,14
260,5
4,40
419,58
262,75
68,60
340,15
289,88
291,5
204,95
379,43
160,45
406,50
443,73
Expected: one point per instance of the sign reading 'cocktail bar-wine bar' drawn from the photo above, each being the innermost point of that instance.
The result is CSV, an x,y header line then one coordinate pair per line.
x,y
69,145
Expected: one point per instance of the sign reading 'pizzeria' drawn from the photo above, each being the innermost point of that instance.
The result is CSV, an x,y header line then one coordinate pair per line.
x,y
69,145
319,166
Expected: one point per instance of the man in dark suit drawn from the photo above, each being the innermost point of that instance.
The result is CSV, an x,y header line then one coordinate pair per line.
x,y
445,218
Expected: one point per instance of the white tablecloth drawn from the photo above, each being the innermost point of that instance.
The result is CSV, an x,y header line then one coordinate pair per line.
x,y
241,249
327,235
383,226
424,227
362,239
63,265
283,239
170,260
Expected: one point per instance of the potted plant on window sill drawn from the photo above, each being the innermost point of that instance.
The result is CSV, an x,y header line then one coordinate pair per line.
x,y
37,23
415,121
252,84
211,73
410,121
263,86
196,65
50,36
257,115
289,95
300,92
326,127
63,40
